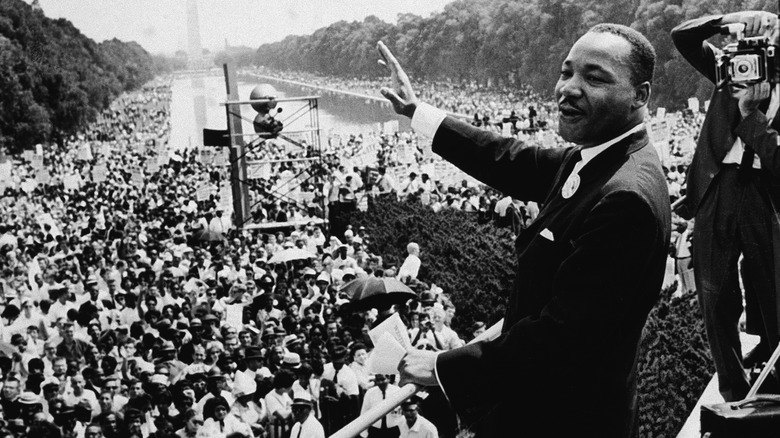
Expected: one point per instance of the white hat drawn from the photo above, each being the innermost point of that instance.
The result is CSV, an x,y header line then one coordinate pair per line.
x,y
324,276
243,384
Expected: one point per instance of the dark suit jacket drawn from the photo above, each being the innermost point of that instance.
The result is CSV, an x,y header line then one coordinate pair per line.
x,y
566,362
722,125
723,122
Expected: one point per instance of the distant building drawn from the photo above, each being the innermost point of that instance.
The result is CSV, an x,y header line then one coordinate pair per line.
x,y
196,59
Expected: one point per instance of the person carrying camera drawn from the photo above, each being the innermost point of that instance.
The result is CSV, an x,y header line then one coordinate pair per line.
x,y
732,191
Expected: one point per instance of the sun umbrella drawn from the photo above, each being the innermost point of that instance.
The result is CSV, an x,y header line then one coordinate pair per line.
x,y
7,349
380,293
290,254
209,236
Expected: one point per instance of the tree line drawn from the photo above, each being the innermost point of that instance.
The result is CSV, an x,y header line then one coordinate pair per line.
x,y
54,80
502,42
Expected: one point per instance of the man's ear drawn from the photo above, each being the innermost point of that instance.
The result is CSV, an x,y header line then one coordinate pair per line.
x,y
641,94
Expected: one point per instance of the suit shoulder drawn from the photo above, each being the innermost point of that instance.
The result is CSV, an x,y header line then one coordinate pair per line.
x,y
642,174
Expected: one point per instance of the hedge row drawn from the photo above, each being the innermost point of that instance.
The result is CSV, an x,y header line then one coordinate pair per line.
x,y
475,264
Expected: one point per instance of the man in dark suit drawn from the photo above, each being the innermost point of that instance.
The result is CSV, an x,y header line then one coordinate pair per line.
x,y
732,190
589,268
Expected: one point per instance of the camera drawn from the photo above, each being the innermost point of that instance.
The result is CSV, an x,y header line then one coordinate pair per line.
x,y
747,61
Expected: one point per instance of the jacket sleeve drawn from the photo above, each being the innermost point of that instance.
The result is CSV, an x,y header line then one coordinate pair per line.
x,y
596,306
756,132
506,164
690,39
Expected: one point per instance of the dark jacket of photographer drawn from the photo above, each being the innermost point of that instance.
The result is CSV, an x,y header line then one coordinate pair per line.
x,y
722,125
723,121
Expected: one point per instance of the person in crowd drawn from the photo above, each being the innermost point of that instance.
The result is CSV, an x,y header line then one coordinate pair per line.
x,y
730,182
306,424
608,196
219,423
414,424
387,426
410,269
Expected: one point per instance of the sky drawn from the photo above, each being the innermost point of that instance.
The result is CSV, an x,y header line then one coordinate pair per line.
x,y
160,26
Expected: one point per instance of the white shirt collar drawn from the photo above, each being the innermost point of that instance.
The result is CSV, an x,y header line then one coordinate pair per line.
x,y
591,152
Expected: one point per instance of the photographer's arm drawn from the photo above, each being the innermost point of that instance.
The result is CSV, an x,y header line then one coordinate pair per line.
x,y
755,129
690,39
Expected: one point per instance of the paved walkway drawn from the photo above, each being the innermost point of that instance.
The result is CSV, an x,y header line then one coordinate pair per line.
x,y
711,395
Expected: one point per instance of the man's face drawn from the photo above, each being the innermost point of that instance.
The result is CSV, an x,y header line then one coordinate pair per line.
x,y
60,367
596,99
231,344
301,413
78,384
333,329
410,413
106,402
11,389
93,432
136,389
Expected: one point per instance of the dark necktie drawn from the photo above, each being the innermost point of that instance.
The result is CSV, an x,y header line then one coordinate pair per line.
x,y
746,165
300,429
336,376
384,419
221,425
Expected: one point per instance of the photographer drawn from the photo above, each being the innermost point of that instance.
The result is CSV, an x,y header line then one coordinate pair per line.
x,y
732,190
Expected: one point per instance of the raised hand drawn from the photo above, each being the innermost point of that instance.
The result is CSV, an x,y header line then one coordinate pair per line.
x,y
750,97
401,95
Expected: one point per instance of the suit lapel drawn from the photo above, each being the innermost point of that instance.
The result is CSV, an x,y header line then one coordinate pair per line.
x,y
594,169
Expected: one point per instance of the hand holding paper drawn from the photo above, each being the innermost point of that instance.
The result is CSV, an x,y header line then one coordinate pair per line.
x,y
386,356
418,366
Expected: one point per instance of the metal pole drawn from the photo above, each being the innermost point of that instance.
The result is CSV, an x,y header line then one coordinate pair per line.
x,y
237,153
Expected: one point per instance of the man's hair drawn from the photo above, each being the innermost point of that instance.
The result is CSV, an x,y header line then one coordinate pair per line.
x,y
642,56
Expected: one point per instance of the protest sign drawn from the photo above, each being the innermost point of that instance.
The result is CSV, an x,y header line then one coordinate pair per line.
x,y
37,162
42,176
202,193
693,104
362,204
99,173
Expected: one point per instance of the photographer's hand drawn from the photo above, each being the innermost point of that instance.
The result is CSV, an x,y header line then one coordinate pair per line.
x,y
401,95
751,97
757,23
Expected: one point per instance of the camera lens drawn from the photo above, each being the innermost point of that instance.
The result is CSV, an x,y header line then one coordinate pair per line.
x,y
743,68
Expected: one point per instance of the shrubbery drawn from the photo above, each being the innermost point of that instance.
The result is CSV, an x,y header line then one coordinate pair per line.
x,y
475,265
54,80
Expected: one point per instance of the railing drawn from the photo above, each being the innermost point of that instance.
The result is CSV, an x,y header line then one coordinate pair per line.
x,y
394,400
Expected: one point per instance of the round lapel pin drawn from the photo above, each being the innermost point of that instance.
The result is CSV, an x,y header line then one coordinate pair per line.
x,y
570,186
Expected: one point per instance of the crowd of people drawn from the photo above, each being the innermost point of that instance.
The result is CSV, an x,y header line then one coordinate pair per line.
x,y
400,164
120,317
123,314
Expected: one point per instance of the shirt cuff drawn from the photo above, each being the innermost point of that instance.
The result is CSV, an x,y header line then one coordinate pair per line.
x,y
426,119
438,382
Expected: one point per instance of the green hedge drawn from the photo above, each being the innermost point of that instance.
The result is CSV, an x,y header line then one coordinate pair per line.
x,y
475,265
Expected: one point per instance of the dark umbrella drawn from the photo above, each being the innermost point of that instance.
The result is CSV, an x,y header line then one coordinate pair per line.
x,y
379,293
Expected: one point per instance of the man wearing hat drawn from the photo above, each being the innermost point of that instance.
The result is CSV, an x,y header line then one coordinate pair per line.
x,y
306,425
167,357
415,425
216,384
387,427
253,358
31,404
341,383
291,361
